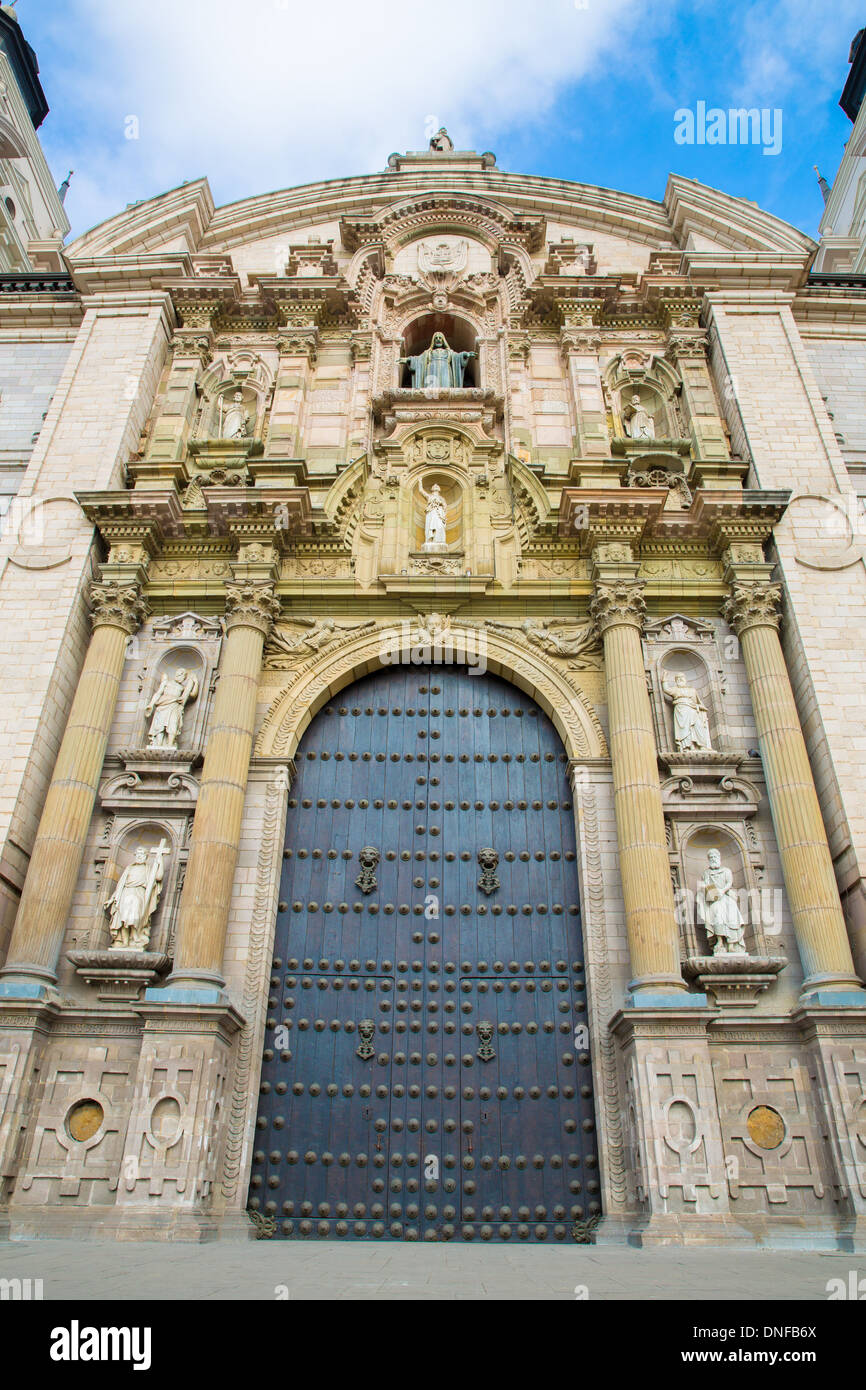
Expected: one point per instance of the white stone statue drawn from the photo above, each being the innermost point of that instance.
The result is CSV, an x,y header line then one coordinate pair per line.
x,y
434,516
167,707
134,900
717,909
691,722
235,423
640,423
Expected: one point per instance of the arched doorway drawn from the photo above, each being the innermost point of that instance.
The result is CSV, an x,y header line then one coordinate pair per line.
x,y
425,1073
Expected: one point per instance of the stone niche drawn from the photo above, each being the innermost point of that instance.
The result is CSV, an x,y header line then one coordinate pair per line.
x,y
185,642
732,980
123,973
685,646
148,796
464,463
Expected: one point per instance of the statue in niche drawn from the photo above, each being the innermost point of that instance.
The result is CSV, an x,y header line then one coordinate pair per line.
x,y
691,721
234,418
639,423
134,900
438,367
717,908
434,516
167,707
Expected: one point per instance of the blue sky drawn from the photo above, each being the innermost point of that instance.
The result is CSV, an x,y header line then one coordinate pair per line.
x,y
266,94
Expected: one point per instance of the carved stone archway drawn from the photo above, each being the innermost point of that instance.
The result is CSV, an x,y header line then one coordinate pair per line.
x,y
557,691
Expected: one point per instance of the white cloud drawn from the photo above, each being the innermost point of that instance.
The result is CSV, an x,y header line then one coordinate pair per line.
x,y
270,93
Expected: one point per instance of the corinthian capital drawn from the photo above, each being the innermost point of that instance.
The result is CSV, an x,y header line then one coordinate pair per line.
x,y
620,601
754,604
118,605
251,605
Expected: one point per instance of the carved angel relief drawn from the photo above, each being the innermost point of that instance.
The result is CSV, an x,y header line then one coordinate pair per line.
x,y
579,645
286,645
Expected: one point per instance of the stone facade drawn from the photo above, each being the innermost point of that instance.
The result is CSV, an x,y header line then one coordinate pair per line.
x,y
636,473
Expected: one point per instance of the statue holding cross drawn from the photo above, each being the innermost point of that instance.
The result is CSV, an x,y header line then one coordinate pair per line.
x,y
134,900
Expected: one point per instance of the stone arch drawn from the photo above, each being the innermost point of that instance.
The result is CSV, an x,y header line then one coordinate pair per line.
x,y
315,682
558,694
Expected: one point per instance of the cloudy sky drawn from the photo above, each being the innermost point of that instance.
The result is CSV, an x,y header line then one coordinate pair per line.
x,y
264,94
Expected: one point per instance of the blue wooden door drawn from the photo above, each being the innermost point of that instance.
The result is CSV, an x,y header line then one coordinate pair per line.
x,y
425,1076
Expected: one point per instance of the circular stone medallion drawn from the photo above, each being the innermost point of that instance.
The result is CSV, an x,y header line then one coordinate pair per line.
x,y
84,1119
766,1127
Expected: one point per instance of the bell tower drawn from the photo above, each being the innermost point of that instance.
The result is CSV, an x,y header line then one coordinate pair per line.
x,y
33,223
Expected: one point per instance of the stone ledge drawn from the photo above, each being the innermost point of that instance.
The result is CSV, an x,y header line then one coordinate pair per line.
x,y
119,974
734,980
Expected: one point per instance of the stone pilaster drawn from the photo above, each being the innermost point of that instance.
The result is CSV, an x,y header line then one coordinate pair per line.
x,y
192,351
118,610
204,907
807,867
580,349
686,345
618,609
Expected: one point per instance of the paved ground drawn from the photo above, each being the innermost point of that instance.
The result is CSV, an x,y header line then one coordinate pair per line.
x,y
272,1269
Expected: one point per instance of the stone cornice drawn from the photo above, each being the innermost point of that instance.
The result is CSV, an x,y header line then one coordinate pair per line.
x,y
716,519
281,511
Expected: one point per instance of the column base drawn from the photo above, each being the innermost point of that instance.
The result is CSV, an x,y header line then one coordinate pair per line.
x,y
180,994
662,992
835,991
26,981
188,987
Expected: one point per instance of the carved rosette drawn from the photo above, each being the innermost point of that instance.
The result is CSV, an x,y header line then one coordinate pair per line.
x,y
754,604
615,604
118,605
251,605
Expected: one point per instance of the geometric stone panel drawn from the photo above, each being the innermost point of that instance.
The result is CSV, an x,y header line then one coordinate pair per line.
x,y
773,1144
77,1137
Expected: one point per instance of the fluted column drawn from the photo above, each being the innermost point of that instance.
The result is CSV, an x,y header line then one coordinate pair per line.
x,y
807,866
206,898
118,610
618,610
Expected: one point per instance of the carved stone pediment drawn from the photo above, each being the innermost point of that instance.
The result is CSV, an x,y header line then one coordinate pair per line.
x,y
187,625
706,785
151,778
679,627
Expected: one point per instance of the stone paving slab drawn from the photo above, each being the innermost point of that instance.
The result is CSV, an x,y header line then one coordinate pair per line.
x,y
84,1270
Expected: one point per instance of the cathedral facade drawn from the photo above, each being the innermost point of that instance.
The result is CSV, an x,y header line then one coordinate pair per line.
x,y
432,770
